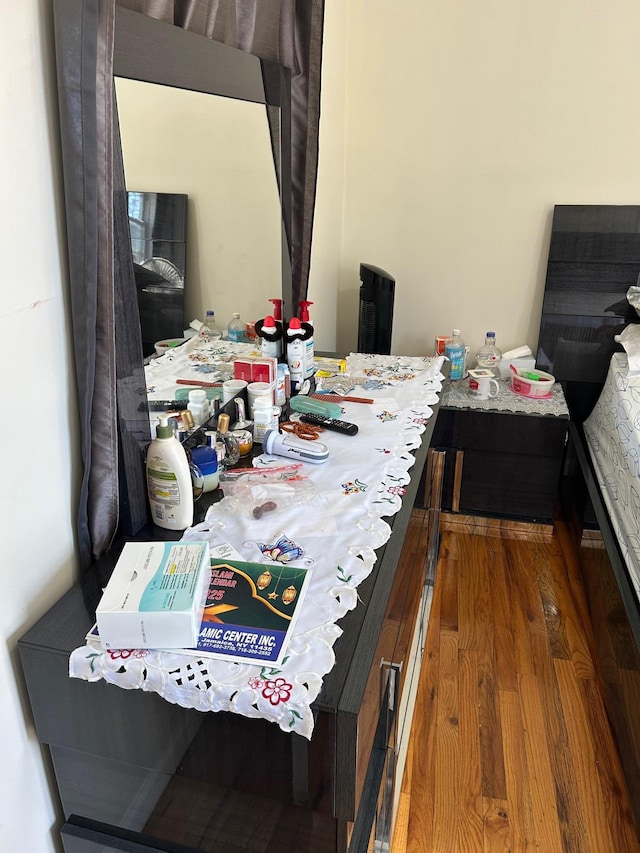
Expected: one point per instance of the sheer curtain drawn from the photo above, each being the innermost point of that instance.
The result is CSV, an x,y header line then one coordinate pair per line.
x,y
284,31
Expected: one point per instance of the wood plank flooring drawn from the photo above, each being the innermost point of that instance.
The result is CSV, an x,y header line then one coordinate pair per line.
x,y
510,748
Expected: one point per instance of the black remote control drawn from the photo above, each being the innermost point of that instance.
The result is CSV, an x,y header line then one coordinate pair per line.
x,y
330,423
167,405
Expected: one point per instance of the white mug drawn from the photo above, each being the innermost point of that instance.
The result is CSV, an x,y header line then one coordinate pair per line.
x,y
482,384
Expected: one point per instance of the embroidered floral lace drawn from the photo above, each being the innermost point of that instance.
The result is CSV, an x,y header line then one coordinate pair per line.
x,y
334,532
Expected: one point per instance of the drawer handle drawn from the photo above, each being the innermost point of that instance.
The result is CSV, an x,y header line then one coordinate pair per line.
x,y
457,481
394,671
433,480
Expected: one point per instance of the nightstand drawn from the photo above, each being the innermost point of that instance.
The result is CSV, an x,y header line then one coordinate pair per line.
x,y
504,456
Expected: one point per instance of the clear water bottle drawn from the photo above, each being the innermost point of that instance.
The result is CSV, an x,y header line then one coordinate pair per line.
x,y
456,353
208,330
489,356
235,329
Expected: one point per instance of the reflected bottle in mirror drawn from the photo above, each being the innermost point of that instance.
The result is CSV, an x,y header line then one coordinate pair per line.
x,y
208,330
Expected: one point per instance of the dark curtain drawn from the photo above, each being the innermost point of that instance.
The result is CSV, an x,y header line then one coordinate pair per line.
x,y
285,31
84,54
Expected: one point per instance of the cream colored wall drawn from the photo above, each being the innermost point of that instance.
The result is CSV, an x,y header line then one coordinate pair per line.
x,y
39,451
218,151
465,123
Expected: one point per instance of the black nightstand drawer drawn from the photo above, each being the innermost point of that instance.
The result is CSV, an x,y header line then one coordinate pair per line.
x,y
501,463
506,484
526,435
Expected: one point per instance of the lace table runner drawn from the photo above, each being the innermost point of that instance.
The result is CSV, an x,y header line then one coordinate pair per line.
x,y
333,531
456,396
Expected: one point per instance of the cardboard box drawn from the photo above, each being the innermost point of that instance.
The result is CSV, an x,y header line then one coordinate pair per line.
x,y
255,369
156,596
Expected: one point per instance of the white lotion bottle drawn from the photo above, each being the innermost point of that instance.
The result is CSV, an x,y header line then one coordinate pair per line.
x,y
169,480
270,348
309,363
295,353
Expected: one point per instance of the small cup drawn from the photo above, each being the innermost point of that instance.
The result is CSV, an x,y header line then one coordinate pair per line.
x,y
482,385
232,387
244,439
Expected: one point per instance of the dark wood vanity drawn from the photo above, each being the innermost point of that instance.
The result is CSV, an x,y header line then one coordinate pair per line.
x,y
135,772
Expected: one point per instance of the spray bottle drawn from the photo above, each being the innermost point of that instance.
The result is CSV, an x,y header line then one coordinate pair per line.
x,y
308,343
169,480
295,353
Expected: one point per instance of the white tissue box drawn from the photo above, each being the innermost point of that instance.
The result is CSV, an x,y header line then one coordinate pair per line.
x,y
518,363
155,597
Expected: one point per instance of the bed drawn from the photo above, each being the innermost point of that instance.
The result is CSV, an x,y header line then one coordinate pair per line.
x,y
612,435
594,265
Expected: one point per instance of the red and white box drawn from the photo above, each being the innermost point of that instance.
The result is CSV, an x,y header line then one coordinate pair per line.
x,y
256,369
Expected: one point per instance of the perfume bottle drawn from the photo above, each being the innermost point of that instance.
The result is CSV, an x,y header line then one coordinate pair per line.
x,y
242,422
227,446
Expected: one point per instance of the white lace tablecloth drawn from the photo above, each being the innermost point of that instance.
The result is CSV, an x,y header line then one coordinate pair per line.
x,y
195,361
333,530
456,396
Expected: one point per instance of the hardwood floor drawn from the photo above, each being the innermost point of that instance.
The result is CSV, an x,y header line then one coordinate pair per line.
x,y
510,746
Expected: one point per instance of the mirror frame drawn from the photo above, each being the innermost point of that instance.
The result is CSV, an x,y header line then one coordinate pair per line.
x,y
112,400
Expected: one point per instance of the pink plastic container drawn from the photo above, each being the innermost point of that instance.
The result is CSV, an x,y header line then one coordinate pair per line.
x,y
540,387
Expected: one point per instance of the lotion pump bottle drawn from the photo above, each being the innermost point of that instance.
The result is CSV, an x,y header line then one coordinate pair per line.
x,y
169,480
309,366
295,353
270,342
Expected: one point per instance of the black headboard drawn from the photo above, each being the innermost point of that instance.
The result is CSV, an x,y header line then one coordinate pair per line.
x,y
594,257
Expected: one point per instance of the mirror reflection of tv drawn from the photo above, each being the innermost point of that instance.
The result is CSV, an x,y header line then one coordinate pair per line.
x,y
158,228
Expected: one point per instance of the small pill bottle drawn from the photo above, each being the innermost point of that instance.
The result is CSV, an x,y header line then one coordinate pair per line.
x,y
262,417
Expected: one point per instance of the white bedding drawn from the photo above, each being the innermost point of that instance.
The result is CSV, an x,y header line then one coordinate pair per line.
x,y
613,437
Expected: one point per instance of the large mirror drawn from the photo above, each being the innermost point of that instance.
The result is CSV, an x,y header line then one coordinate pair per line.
x,y
158,69
205,164
220,151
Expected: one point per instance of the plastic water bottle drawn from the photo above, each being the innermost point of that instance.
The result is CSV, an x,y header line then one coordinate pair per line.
x,y
208,330
489,356
235,329
455,351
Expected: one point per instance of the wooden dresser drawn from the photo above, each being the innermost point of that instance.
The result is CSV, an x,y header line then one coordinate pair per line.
x,y
137,773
